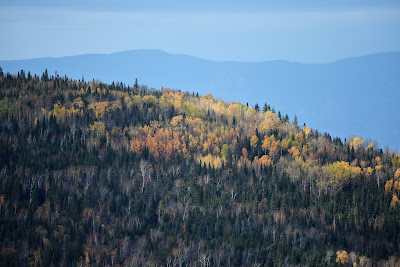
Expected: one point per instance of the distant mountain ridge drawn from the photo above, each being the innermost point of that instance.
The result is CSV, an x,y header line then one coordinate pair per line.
x,y
352,96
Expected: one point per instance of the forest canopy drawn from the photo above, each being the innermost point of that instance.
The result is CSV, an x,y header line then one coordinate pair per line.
x,y
107,174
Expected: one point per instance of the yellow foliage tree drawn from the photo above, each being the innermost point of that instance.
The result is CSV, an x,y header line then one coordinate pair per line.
x,y
225,152
87,259
254,141
356,143
137,146
294,151
371,146
307,131
396,186
298,137
213,161
337,174
266,161
397,174
233,110
216,150
297,168
263,161
271,122
60,112
78,103
274,149
395,201
392,186
99,108
191,110
268,140
342,170
342,257
98,127
388,186
245,153
286,143
176,121
149,100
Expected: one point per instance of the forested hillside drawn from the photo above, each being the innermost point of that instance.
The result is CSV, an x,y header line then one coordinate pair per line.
x,y
95,174
323,95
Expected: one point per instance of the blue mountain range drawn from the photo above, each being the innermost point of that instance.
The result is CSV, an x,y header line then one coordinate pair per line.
x,y
357,96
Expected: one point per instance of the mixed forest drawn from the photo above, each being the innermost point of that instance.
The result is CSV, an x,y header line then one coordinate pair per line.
x,y
95,174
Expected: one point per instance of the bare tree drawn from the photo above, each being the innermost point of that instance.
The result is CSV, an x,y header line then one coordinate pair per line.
x,y
233,194
204,260
184,207
145,171
207,179
129,208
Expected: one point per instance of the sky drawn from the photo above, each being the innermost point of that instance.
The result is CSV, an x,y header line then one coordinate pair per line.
x,y
307,31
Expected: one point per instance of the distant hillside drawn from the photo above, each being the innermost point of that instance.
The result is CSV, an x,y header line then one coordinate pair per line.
x,y
354,96
95,174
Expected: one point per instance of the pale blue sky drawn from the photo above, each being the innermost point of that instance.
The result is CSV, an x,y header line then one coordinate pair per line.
x,y
304,31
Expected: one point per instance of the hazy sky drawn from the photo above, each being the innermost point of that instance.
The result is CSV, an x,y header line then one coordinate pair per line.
x,y
305,31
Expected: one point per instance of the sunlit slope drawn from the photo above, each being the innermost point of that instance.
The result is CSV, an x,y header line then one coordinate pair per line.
x,y
354,96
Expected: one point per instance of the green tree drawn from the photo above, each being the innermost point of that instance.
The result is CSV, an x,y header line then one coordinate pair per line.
x,y
295,122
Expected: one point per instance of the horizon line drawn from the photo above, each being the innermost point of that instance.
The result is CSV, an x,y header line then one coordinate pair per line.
x,y
200,58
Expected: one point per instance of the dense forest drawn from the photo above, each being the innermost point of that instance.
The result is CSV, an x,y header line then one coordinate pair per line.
x,y
95,174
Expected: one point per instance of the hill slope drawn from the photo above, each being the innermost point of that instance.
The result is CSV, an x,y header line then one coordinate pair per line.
x,y
97,174
355,96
